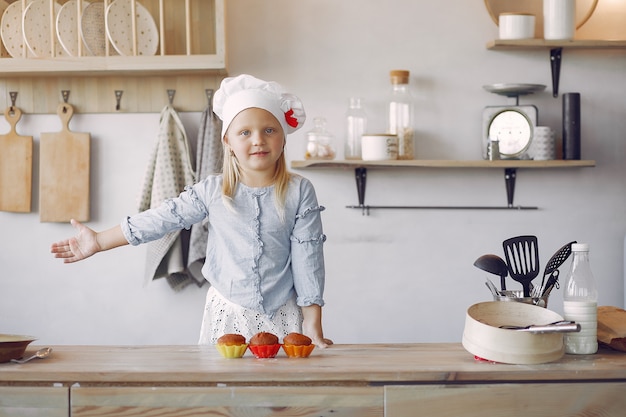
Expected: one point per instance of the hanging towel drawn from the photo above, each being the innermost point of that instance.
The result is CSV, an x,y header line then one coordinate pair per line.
x,y
169,171
209,160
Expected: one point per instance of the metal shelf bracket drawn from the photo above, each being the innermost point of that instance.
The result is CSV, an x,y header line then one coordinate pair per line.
x,y
555,65
510,174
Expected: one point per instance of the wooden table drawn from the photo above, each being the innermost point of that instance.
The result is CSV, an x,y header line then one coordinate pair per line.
x,y
343,380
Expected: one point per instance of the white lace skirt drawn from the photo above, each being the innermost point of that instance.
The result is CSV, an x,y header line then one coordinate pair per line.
x,y
222,316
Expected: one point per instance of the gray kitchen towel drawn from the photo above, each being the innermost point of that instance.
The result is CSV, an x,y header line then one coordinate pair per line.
x,y
209,160
169,171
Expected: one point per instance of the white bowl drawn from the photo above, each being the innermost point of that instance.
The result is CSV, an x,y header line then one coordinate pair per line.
x,y
516,25
13,346
484,338
379,147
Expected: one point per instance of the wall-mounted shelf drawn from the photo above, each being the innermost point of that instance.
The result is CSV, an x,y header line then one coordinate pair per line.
x,y
556,50
190,58
509,166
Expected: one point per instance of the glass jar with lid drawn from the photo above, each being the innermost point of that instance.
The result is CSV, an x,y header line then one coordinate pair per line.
x,y
320,142
400,115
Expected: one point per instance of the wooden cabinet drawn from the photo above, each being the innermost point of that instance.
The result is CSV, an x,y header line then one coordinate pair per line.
x,y
377,380
190,58
33,401
508,399
235,401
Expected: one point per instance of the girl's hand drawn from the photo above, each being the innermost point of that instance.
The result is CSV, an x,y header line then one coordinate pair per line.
x,y
323,342
312,325
76,248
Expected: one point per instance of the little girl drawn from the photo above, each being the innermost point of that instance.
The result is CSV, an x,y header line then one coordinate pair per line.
x,y
264,256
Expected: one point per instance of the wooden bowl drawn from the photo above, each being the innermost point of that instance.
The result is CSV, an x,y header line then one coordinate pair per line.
x,y
13,346
484,338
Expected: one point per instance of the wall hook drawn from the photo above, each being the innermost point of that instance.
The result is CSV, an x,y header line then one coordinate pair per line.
x,y
118,99
13,95
66,95
209,94
170,96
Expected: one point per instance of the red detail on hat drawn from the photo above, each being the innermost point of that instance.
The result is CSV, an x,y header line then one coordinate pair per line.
x,y
291,121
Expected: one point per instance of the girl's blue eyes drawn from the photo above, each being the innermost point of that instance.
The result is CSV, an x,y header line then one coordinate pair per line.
x,y
267,131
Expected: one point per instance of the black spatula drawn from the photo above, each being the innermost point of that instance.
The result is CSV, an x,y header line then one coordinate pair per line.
x,y
522,259
552,267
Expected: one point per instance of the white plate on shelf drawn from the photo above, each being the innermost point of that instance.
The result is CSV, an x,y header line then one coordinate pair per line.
x,y
93,29
3,7
11,30
36,29
119,28
67,27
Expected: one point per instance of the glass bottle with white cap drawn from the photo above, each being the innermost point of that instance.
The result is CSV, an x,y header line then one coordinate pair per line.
x,y
580,303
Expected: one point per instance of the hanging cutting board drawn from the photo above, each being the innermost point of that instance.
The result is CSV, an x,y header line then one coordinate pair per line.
x,y
64,172
16,166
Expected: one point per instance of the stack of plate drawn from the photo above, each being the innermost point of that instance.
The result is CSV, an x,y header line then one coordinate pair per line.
x,y
26,33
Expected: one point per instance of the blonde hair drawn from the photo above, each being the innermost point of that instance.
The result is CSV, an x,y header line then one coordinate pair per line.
x,y
232,175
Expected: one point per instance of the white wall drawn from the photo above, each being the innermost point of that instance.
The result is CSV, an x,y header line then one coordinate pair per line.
x,y
392,276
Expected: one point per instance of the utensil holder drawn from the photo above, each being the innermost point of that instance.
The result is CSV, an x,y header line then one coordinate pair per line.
x,y
517,296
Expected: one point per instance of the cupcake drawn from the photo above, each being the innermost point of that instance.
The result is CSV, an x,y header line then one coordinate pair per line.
x,y
232,345
297,345
264,345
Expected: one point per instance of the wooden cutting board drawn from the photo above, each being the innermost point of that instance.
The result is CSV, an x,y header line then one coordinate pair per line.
x,y
64,172
16,166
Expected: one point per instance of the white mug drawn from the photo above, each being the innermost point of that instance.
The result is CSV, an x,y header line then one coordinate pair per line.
x,y
559,19
516,25
380,147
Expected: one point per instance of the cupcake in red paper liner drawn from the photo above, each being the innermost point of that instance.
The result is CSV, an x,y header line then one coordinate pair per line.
x,y
264,345
297,345
232,346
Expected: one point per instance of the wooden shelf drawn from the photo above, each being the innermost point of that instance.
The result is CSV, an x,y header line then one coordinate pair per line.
x,y
507,44
509,166
556,50
191,58
106,65
442,163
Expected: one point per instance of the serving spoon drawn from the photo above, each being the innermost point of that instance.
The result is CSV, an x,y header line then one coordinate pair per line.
x,y
494,265
40,354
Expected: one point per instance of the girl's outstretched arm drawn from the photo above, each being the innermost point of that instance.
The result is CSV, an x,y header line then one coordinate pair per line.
x,y
87,242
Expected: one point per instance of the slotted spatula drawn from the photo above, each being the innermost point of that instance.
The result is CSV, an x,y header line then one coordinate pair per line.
x,y
522,259
552,267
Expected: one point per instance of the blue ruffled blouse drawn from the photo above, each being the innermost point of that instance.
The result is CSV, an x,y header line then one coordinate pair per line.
x,y
253,258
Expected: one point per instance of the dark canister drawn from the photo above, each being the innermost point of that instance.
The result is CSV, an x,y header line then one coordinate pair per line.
x,y
571,126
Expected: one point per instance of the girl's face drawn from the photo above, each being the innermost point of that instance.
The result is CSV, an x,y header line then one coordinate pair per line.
x,y
257,140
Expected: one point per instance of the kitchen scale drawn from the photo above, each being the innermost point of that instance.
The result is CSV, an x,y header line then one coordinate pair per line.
x,y
513,125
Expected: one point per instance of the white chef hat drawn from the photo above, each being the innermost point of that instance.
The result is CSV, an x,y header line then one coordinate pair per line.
x,y
245,91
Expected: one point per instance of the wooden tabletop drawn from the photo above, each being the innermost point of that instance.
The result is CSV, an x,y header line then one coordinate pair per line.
x,y
354,364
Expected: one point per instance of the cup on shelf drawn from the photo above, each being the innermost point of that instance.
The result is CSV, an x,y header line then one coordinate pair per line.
x,y
379,147
543,145
516,25
559,19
